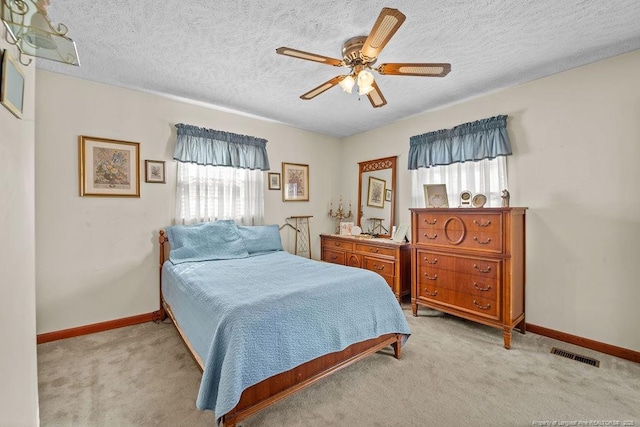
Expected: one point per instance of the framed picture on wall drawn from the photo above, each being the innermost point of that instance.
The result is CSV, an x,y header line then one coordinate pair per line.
x,y
109,168
296,182
387,195
154,171
11,86
274,181
376,193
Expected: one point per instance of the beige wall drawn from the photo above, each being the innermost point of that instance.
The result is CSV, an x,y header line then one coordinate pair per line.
x,y
18,369
576,148
97,256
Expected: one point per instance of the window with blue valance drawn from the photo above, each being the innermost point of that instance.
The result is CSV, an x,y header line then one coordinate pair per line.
x,y
217,148
482,139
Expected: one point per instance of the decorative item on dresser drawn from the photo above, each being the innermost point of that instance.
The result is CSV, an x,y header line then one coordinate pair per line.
x,y
392,260
470,263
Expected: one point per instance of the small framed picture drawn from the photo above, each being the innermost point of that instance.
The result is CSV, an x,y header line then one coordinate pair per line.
x,y
387,195
376,194
296,182
435,196
346,228
274,181
109,167
12,86
154,171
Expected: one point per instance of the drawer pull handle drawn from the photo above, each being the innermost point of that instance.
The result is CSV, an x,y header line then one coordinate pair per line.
x,y
479,224
486,270
488,288
429,237
374,250
426,291
429,277
482,243
377,267
431,223
435,260
334,257
337,243
482,307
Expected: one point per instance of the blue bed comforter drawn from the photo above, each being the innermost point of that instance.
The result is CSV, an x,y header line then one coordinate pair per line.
x,y
251,318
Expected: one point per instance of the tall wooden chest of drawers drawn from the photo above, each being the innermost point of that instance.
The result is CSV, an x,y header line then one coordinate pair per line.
x,y
470,263
390,259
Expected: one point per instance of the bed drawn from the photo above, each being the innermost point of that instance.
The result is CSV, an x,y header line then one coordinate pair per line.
x,y
262,323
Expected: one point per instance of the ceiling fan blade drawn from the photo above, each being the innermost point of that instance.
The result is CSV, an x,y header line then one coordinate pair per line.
x,y
309,56
323,87
375,96
385,27
416,69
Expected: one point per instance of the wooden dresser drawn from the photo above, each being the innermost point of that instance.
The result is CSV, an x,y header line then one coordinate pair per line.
x,y
389,259
470,263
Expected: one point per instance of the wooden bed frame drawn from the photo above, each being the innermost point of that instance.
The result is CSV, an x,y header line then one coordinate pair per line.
x,y
277,387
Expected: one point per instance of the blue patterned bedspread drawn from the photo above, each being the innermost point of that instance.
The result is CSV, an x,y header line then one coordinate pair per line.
x,y
251,318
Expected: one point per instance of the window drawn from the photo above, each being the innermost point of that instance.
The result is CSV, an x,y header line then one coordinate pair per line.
x,y
488,177
210,193
220,176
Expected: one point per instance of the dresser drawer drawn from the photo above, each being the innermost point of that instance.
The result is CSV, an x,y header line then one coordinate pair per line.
x,y
444,262
334,256
460,220
478,267
470,303
337,244
484,287
374,249
380,266
455,235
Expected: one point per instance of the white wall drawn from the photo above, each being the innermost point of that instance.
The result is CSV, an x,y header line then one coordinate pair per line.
x,y
575,164
97,256
18,367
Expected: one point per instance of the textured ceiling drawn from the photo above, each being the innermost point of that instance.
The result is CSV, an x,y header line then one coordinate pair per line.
x,y
222,53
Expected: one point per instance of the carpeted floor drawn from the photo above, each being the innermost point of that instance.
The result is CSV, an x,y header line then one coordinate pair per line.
x,y
453,373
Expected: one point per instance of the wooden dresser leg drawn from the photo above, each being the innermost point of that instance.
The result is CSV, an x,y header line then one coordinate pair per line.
x,y
522,327
414,308
506,335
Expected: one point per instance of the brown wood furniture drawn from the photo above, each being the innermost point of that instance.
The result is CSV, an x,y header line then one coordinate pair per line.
x,y
277,387
470,263
390,259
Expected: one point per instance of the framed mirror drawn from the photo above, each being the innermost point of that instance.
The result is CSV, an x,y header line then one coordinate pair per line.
x,y
377,196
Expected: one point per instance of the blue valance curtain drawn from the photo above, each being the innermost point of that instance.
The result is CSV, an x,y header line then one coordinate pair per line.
x,y
217,148
482,139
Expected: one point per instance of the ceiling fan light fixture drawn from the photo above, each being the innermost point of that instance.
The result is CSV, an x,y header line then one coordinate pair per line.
x,y
365,82
347,83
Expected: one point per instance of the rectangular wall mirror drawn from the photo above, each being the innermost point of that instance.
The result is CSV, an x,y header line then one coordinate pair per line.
x,y
377,196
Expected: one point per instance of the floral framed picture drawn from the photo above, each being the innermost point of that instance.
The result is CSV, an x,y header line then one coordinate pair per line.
x,y
295,178
274,181
376,193
154,171
108,168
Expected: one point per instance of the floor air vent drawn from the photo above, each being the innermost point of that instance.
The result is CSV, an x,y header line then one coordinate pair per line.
x,y
573,356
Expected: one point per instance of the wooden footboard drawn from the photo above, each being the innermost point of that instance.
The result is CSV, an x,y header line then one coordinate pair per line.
x,y
277,387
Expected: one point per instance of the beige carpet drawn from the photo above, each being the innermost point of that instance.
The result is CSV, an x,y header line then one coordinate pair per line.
x,y
453,373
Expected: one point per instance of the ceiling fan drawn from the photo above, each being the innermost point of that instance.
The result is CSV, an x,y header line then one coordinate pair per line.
x,y
360,53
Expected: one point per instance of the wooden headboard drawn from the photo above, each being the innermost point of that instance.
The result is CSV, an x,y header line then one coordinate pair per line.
x,y
164,247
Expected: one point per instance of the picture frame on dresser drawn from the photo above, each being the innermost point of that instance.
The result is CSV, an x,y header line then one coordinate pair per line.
x,y
435,196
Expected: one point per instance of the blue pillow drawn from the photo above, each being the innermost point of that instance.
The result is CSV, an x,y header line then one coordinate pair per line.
x,y
260,238
206,241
